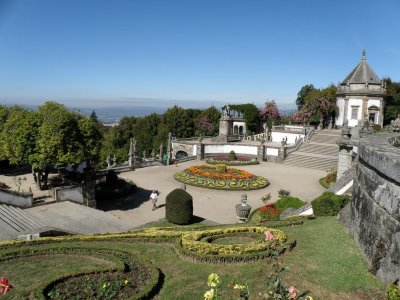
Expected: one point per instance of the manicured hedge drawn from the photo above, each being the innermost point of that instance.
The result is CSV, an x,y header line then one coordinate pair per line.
x,y
329,204
179,207
123,263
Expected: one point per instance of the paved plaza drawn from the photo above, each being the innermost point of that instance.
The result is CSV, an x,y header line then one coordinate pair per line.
x,y
214,205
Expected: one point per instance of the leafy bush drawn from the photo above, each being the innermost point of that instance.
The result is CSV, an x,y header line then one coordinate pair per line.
x,y
377,127
286,202
232,155
179,207
331,177
283,193
329,204
393,292
220,168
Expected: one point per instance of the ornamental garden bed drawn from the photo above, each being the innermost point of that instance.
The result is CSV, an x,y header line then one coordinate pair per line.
x,y
238,161
220,177
329,272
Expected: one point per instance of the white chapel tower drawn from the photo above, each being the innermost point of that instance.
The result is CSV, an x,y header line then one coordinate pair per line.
x,y
360,96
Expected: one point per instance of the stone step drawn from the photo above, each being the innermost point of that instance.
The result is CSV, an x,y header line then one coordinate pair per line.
x,y
311,161
319,148
17,219
324,139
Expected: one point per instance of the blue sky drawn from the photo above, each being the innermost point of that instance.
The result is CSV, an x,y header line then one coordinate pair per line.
x,y
97,53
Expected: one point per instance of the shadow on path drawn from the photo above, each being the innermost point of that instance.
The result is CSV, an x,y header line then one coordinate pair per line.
x,y
131,201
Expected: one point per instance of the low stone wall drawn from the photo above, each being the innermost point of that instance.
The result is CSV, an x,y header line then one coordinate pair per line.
x,y
69,193
375,207
16,198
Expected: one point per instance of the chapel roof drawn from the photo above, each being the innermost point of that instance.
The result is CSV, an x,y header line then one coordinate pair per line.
x,y
362,73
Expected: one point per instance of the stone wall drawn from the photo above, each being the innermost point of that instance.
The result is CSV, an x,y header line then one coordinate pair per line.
x,y
375,207
71,193
16,198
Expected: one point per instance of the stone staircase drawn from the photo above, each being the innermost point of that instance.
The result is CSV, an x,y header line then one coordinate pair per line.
x,y
320,153
14,221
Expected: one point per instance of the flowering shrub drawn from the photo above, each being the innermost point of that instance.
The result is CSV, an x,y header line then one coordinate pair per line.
x,y
269,212
269,236
276,289
5,286
214,282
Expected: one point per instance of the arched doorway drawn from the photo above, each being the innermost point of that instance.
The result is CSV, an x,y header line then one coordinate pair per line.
x,y
241,130
235,130
181,154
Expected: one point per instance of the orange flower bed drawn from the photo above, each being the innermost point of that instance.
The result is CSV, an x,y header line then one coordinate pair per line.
x,y
211,172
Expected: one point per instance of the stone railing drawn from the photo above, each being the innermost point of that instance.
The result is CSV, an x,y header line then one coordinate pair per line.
x,y
289,128
293,148
308,133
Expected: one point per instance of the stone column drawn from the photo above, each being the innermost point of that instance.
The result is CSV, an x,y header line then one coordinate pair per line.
x,y
199,150
364,109
169,154
261,151
345,110
161,152
89,187
380,119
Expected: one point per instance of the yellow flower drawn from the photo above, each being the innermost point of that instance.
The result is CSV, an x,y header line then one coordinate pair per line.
x,y
104,286
209,295
213,280
126,281
308,298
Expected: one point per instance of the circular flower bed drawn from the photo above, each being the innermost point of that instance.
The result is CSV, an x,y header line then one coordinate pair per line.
x,y
211,177
200,245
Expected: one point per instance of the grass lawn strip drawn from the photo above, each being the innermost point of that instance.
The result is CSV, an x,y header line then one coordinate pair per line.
x,y
325,261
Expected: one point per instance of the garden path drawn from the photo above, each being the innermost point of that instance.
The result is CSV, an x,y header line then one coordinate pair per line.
x,y
214,205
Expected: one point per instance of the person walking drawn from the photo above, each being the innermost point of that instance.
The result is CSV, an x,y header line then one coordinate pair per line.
x,y
154,198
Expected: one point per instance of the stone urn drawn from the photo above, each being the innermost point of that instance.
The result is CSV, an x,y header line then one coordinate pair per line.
x,y
243,209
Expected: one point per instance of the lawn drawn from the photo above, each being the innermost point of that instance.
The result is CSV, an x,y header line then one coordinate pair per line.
x,y
325,261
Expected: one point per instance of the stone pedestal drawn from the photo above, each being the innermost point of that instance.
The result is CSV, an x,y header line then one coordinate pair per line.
x,y
344,160
89,187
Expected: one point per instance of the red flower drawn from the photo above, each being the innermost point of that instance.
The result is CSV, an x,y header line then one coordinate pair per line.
x,y
270,209
4,285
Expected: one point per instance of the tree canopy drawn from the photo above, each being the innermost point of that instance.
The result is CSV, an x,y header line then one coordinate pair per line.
x,y
251,115
392,107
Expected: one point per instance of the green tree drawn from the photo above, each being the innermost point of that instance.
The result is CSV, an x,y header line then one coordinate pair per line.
x,y
63,138
302,94
392,99
17,135
93,116
178,122
251,115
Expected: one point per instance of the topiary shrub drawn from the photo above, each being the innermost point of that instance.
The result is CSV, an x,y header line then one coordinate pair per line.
x,y
220,168
329,204
288,202
232,155
179,207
